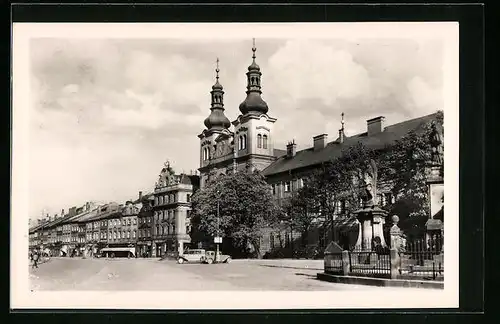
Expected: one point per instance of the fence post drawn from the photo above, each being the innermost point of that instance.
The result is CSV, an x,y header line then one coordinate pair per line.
x,y
345,263
395,263
395,233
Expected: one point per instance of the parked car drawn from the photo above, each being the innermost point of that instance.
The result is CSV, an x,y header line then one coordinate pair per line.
x,y
194,255
116,252
210,258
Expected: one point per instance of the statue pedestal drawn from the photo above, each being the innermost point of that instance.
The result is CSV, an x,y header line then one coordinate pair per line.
x,y
435,225
372,220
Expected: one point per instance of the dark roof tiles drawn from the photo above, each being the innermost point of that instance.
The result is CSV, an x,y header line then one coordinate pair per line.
x,y
309,157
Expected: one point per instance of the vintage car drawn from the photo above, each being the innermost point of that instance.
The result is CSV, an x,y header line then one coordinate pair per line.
x,y
125,252
194,255
210,258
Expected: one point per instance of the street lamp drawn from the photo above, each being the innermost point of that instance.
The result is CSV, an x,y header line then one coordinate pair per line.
x,y
218,229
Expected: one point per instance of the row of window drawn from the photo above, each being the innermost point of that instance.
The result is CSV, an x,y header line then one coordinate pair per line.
x,y
164,214
162,230
167,199
112,235
287,186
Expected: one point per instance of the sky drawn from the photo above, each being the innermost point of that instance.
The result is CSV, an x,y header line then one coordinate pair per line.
x,y
105,114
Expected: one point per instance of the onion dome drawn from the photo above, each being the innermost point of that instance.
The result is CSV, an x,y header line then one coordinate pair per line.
x,y
253,102
217,119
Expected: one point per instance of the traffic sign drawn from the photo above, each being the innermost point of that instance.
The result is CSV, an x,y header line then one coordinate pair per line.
x,y
217,239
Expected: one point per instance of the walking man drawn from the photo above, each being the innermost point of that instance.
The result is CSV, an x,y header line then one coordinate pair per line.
x,y
35,259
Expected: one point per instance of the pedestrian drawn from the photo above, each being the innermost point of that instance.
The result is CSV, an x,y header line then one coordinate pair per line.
x,y
35,260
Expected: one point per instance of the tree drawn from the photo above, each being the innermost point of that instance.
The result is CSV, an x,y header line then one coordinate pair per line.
x,y
401,167
245,205
340,180
301,210
404,166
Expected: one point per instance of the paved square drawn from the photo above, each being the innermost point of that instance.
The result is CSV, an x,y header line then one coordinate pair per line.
x,y
152,274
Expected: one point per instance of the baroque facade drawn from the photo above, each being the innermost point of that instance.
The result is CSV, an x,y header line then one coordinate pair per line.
x,y
169,224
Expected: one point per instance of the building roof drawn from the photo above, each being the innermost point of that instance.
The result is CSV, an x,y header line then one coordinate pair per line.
x,y
310,157
102,212
145,197
278,152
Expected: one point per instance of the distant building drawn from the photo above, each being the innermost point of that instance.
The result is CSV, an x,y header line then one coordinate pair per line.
x,y
145,225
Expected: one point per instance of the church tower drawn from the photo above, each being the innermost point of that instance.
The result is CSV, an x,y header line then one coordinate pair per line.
x,y
253,129
216,139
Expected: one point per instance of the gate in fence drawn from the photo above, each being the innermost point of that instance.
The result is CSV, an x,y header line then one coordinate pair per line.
x,y
423,258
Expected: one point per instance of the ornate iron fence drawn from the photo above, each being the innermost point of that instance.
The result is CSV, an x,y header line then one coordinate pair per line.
x,y
374,262
423,258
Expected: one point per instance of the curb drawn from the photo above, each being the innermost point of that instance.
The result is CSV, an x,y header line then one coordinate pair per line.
x,y
289,267
380,282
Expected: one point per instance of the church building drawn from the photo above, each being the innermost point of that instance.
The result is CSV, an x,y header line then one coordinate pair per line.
x,y
249,146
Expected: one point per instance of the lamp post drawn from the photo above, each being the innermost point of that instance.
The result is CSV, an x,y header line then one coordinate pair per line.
x,y
218,228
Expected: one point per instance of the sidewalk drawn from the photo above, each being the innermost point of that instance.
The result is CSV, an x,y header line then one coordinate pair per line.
x,y
287,263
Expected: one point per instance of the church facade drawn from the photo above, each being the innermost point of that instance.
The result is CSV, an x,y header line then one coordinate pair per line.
x,y
249,146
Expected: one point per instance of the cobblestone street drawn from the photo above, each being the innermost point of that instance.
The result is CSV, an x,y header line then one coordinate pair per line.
x,y
152,274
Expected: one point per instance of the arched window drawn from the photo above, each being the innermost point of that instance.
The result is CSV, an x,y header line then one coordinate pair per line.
x,y
244,142
264,141
240,143
118,235
128,234
134,233
259,141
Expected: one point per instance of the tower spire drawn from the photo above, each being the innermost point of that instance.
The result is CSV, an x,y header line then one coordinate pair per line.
x,y
217,71
217,119
253,102
253,49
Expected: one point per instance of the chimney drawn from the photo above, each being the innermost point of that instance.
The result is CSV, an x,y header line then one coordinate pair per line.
x,y
320,141
375,125
341,136
291,149
140,195
62,212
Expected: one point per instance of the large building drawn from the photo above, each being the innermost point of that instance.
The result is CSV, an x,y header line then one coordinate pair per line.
x,y
170,223
250,146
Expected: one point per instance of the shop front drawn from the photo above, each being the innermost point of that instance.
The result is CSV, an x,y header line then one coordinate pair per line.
x,y
144,249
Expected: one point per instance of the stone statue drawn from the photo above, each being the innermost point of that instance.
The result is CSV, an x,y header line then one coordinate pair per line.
x,y
369,185
436,141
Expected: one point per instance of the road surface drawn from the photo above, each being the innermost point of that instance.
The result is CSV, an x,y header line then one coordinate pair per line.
x,y
153,274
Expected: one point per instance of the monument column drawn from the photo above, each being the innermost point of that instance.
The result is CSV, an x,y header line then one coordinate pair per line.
x,y
435,184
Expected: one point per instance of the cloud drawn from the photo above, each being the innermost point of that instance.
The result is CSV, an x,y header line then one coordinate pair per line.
x,y
106,113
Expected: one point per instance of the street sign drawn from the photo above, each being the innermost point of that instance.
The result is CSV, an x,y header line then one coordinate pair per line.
x,y
217,239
